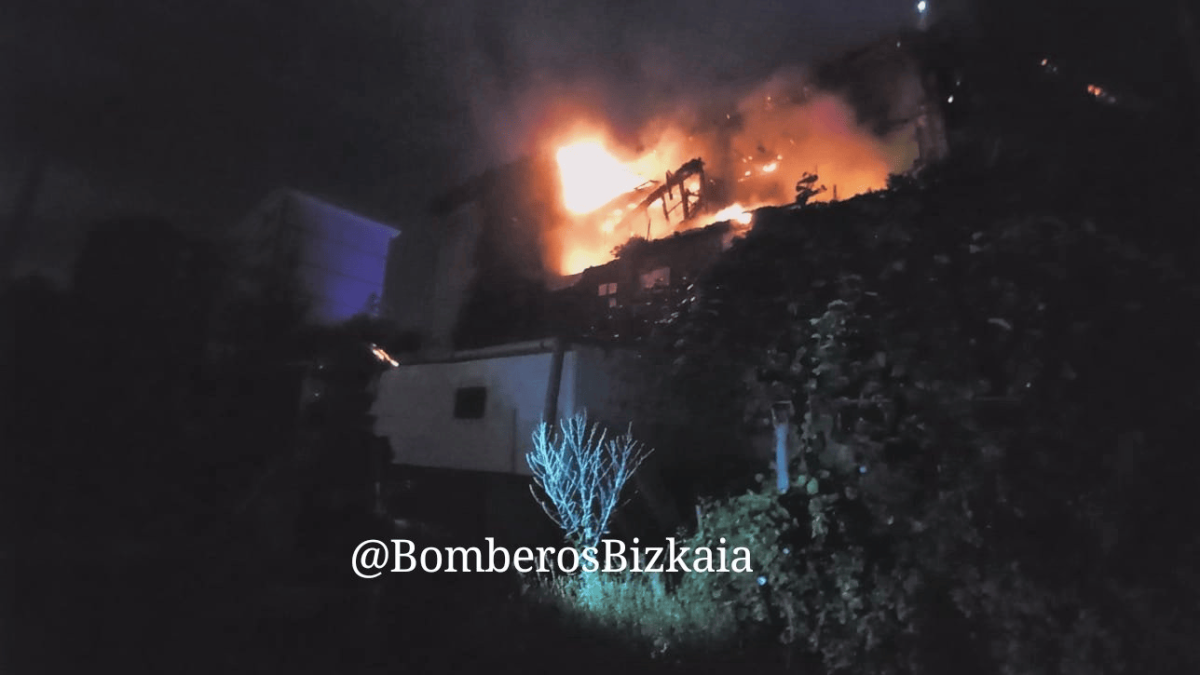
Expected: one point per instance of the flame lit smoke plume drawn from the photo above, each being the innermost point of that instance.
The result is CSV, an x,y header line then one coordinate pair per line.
x,y
759,149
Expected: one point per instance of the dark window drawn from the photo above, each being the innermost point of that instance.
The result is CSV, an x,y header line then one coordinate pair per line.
x,y
470,402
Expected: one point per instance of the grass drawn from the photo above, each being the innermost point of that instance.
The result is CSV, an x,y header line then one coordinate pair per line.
x,y
642,610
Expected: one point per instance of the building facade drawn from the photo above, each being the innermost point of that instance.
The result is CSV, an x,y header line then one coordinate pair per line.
x,y
333,259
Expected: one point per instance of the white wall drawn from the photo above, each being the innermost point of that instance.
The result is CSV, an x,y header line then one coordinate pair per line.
x,y
604,386
599,384
414,410
414,406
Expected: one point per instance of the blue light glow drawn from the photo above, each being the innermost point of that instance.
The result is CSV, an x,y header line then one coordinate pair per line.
x,y
342,257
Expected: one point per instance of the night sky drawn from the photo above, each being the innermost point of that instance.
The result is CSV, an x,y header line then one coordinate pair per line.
x,y
195,110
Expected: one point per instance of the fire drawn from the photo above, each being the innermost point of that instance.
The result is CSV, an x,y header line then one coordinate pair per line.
x,y
591,177
383,356
734,212
758,162
576,260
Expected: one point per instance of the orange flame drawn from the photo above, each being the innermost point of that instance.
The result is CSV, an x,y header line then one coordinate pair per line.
x,y
761,159
735,213
591,177
578,259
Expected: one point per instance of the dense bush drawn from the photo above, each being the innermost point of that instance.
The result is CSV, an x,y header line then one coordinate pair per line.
x,y
990,472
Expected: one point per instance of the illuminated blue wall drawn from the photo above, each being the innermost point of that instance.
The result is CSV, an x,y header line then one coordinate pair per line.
x,y
342,256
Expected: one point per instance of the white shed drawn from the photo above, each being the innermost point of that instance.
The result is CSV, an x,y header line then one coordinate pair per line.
x,y
476,410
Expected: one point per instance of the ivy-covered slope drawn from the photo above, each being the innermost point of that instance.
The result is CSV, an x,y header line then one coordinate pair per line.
x,y
996,388
993,373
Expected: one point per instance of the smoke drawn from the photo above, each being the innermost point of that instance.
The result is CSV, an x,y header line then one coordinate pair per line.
x,y
527,74
775,134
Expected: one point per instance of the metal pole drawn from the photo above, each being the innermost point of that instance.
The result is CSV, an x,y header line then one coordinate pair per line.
x,y
550,410
781,414
514,441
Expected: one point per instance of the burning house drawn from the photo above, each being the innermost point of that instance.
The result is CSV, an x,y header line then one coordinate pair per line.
x,y
462,412
620,300
575,242
515,233
515,237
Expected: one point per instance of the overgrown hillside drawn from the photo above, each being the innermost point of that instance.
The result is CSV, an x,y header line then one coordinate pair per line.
x,y
993,373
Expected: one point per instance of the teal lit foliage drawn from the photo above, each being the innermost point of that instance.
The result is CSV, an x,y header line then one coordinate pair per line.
x,y
800,593
582,471
695,612
639,609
